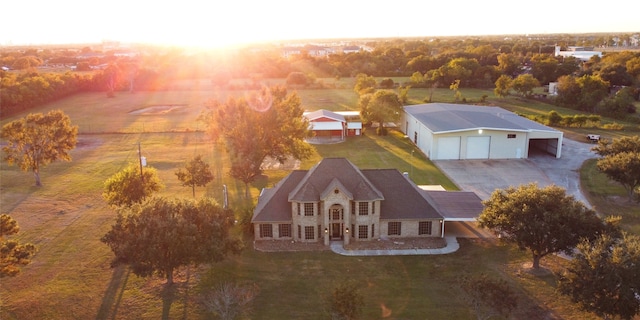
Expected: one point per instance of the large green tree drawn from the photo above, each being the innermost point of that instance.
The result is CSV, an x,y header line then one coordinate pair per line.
x,y
131,185
13,254
364,84
542,220
196,173
164,234
381,106
268,124
39,139
603,276
621,162
503,84
524,84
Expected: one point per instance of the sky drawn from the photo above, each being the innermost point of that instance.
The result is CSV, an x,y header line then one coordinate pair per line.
x,y
213,23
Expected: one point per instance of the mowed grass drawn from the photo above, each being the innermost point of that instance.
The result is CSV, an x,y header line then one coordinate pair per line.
x,y
71,278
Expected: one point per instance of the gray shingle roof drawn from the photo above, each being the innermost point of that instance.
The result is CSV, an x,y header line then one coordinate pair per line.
x,y
447,117
456,205
321,176
273,204
402,198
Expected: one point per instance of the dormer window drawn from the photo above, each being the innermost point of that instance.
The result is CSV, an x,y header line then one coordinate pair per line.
x,y
336,191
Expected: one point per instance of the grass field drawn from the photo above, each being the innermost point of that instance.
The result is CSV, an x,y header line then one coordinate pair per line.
x,y
70,277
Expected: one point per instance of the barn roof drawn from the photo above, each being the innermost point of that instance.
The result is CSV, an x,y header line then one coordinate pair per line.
x,y
322,113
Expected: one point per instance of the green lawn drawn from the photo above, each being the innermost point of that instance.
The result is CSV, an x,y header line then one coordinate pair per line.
x,y
70,277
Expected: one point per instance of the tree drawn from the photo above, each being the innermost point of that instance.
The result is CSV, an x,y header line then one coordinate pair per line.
x,y
195,173
603,276
162,235
508,64
364,84
383,105
455,86
297,78
230,300
544,67
270,124
489,297
345,302
624,144
524,84
131,185
503,84
569,91
619,162
13,254
39,139
624,168
543,220
592,90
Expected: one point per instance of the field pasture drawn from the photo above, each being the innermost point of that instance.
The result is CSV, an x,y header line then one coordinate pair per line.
x,y
71,277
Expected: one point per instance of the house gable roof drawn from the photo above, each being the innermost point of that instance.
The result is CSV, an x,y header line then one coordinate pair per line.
x,y
322,174
448,117
319,114
403,199
273,204
335,184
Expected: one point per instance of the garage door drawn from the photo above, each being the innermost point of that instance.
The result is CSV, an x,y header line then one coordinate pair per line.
x,y
478,147
448,148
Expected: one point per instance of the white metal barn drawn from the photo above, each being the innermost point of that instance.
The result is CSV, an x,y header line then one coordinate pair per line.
x,y
455,131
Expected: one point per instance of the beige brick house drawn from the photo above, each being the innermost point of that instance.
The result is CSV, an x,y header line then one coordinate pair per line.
x,y
337,201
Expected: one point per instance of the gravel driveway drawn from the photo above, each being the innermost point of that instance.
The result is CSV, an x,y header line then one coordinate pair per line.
x,y
484,176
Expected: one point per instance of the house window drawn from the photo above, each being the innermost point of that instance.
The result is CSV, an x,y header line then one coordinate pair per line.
x,y
298,208
363,208
511,136
363,232
353,207
335,214
308,209
299,232
353,231
424,227
319,232
266,231
395,228
373,208
373,230
308,233
284,230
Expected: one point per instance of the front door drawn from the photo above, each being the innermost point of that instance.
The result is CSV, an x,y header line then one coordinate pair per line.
x,y
336,231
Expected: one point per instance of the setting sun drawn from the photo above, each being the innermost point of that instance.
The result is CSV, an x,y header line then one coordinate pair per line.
x,y
220,24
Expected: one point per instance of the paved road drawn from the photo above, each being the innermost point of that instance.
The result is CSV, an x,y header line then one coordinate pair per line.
x,y
484,176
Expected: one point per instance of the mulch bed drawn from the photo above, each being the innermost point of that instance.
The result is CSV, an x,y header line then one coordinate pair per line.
x,y
387,244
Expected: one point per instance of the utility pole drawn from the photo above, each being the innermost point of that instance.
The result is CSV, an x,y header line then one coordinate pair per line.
x,y
140,159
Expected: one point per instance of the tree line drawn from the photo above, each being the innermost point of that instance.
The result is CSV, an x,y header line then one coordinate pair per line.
x,y
475,63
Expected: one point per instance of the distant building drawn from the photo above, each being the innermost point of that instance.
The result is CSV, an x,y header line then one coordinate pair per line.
x,y
580,53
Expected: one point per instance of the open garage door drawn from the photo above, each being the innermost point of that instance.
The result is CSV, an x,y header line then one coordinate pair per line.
x,y
448,148
478,147
543,147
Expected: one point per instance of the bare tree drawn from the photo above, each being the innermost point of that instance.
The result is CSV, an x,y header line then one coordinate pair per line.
x,y
230,300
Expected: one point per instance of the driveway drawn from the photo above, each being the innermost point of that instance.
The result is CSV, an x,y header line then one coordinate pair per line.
x,y
484,176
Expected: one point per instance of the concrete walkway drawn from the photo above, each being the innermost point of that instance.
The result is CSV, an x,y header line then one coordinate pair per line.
x,y
452,246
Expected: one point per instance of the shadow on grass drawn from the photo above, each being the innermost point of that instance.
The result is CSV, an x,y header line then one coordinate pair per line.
x,y
113,294
175,291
